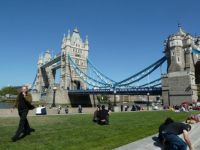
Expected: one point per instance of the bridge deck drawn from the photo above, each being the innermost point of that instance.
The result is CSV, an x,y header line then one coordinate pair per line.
x,y
136,91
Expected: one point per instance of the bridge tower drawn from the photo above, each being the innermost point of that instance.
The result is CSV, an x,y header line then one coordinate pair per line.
x,y
178,85
74,46
45,77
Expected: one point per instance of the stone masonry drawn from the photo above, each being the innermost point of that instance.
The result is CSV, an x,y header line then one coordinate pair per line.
x,y
178,85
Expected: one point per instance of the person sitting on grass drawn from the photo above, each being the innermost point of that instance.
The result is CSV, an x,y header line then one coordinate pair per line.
x,y
103,116
171,139
96,112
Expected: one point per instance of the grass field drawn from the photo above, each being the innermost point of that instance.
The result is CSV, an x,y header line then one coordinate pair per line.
x,y
78,132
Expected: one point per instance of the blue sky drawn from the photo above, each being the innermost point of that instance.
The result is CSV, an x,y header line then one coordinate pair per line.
x,y
124,35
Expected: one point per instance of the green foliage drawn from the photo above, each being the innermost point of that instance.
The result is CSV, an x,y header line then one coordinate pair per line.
x,y
103,98
78,132
8,90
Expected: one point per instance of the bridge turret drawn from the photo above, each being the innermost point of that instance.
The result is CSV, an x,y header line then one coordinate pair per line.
x,y
68,35
47,56
39,82
40,61
179,83
64,38
86,42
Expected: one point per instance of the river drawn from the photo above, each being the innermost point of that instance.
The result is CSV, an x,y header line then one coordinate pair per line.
x,y
4,105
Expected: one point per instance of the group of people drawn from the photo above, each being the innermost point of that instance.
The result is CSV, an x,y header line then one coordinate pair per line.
x,y
101,115
168,135
168,131
193,119
66,109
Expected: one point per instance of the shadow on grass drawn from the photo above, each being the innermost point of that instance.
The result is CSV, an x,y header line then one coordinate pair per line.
x,y
20,138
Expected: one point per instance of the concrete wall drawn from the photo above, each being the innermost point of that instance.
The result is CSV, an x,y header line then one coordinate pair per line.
x,y
53,111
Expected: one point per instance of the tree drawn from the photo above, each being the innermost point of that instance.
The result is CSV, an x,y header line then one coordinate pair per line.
x,y
103,98
8,90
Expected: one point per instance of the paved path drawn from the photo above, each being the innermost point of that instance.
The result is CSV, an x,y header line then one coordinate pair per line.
x,y
53,111
149,144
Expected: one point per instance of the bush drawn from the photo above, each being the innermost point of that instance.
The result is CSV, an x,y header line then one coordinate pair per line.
x,y
8,90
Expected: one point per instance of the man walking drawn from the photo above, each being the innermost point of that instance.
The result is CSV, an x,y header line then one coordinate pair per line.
x,y
23,104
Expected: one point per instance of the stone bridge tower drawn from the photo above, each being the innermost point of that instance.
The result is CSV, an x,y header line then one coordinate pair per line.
x,y
44,84
178,85
44,78
74,46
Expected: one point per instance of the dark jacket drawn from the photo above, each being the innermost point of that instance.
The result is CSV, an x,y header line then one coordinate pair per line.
x,y
24,102
103,114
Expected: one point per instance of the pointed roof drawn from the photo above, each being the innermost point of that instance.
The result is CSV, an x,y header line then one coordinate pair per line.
x,y
68,35
76,36
180,32
86,39
76,30
63,37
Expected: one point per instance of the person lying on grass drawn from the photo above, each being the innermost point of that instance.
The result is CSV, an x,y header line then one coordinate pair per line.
x,y
193,119
171,140
162,127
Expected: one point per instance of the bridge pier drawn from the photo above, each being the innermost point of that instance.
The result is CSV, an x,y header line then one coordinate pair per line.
x,y
93,99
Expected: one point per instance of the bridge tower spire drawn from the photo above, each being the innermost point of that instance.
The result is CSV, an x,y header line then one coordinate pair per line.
x,y
178,84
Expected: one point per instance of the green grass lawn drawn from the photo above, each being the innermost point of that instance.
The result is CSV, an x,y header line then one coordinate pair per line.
x,y
78,132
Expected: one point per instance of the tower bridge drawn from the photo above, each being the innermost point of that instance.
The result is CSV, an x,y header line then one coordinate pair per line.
x,y
79,78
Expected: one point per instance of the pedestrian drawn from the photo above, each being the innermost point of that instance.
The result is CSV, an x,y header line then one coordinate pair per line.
x,y
23,104
67,109
79,109
59,109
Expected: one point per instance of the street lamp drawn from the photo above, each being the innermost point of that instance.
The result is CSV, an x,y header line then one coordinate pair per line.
x,y
148,101
54,95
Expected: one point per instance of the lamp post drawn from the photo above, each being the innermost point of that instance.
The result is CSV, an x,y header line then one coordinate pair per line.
x,y
148,101
54,95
